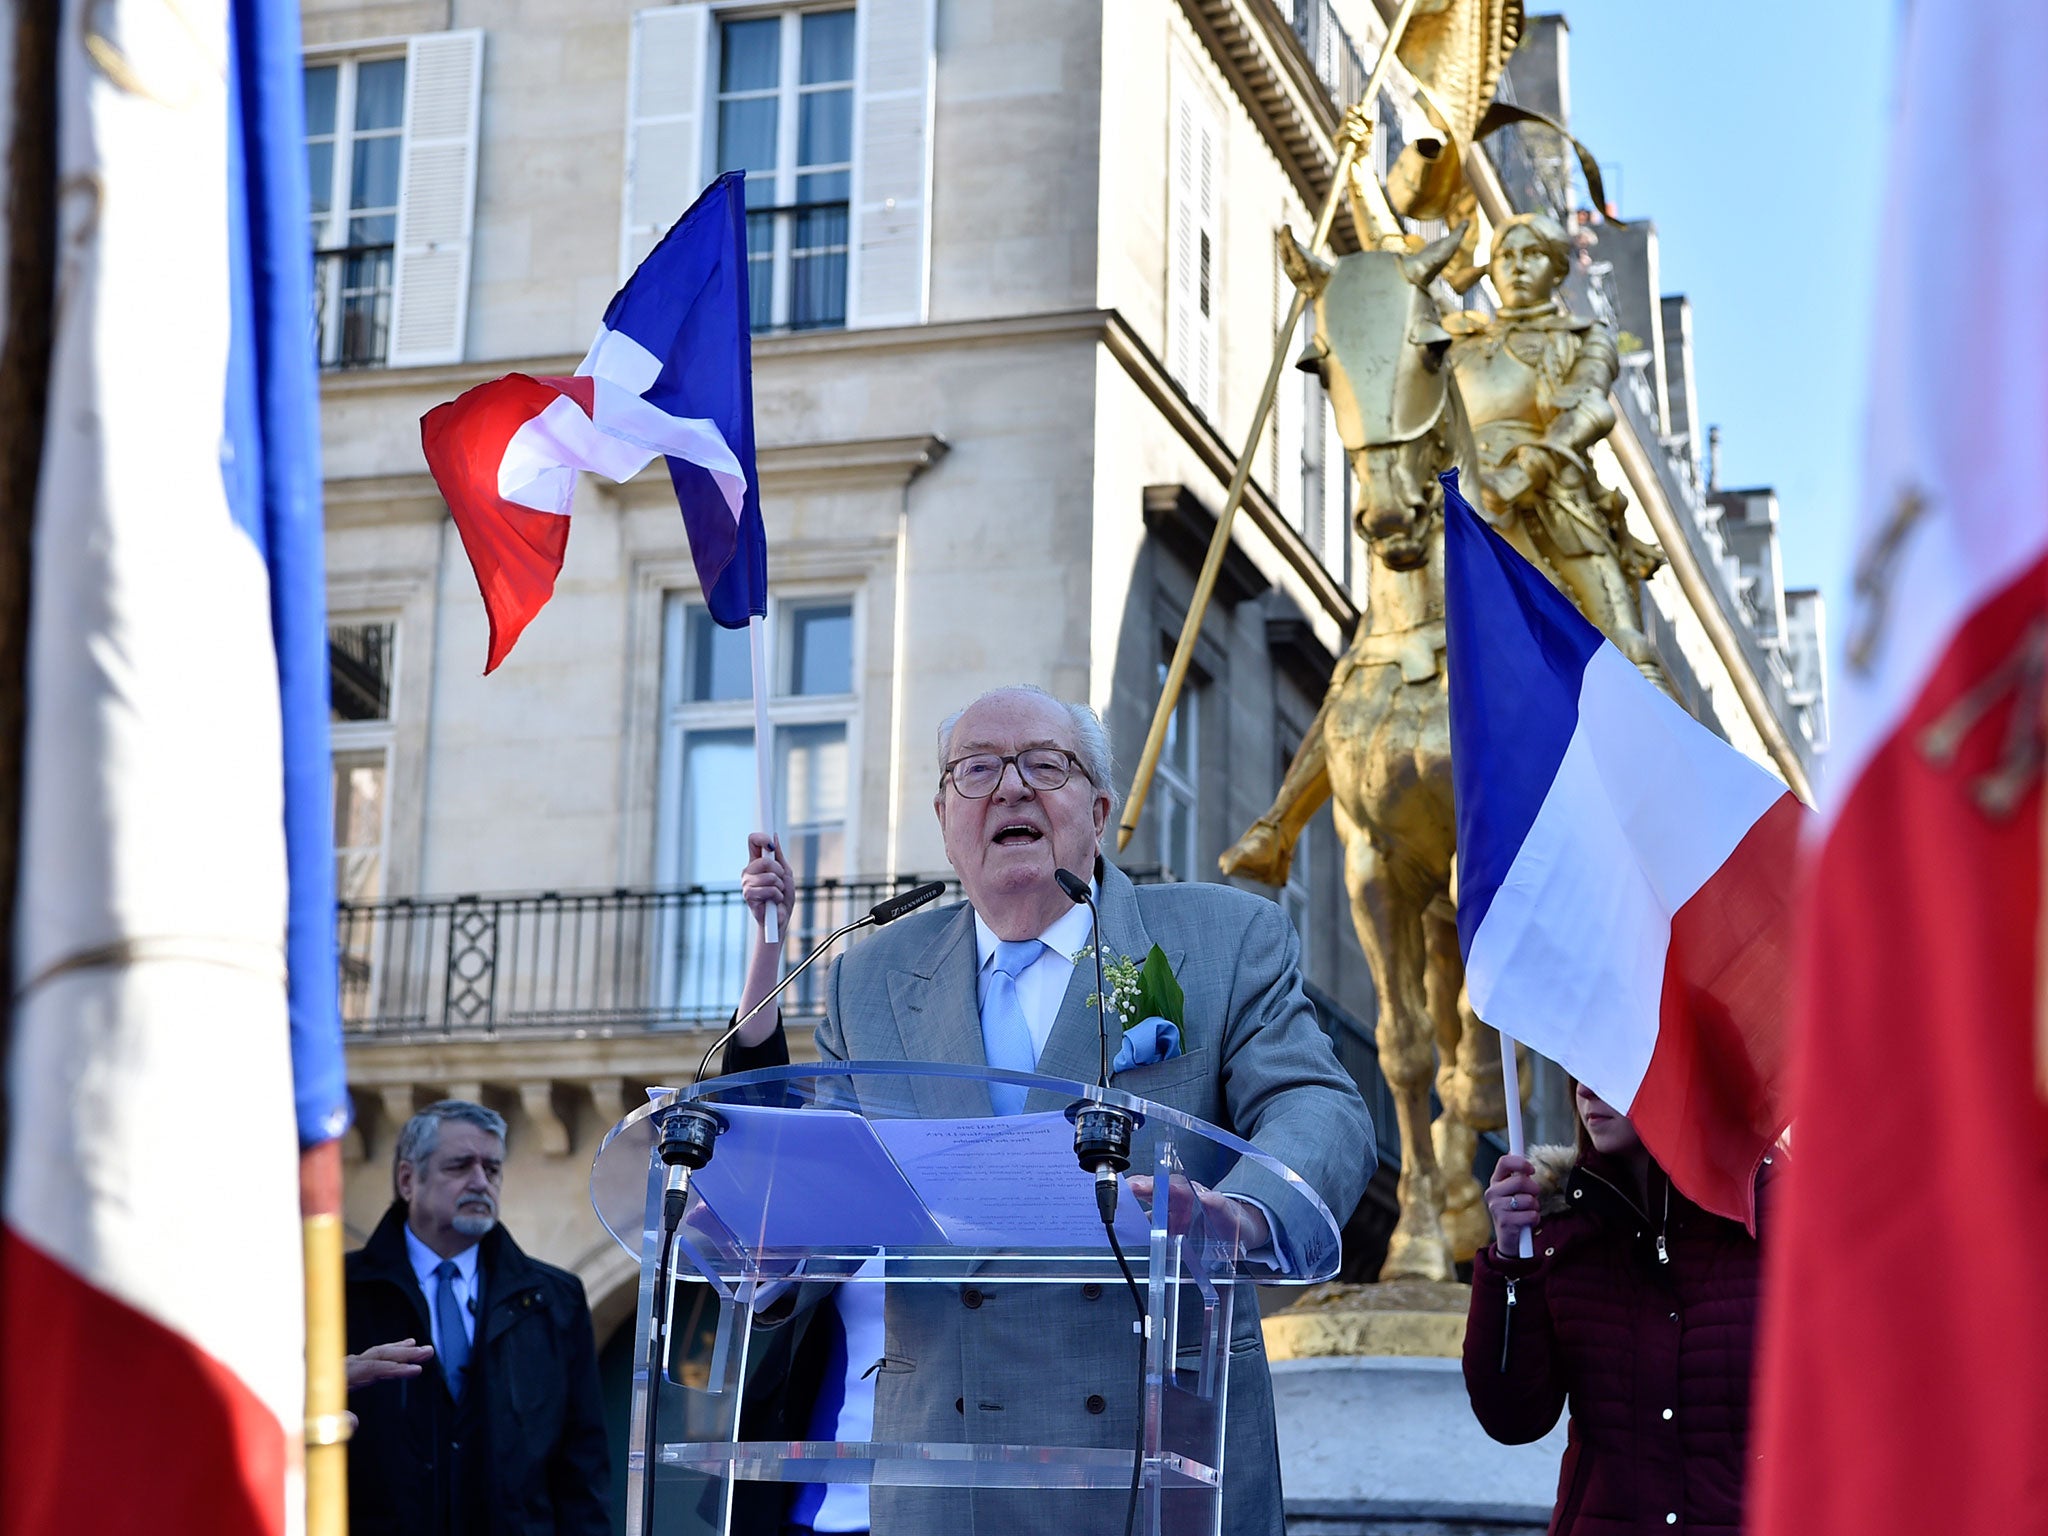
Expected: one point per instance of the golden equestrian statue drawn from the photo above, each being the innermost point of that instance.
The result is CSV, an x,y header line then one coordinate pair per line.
x,y
1514,401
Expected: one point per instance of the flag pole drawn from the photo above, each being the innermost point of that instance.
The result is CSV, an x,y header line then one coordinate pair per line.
x,y
1219,541
1516,1145
764,760
327,1428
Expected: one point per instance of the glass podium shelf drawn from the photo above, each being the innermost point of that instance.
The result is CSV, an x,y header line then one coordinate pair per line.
x,y
926,1465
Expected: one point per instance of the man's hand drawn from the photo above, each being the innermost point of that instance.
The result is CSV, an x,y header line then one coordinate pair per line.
x,y
1513,1199
386,1362
1227,1216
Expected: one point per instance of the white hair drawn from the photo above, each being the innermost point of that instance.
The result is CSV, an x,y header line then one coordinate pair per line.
x,y
1091,736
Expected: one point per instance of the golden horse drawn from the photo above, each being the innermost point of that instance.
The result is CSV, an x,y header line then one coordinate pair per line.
x,y
1381,748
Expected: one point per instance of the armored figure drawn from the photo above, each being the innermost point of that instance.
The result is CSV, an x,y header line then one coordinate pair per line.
x,y
1534,378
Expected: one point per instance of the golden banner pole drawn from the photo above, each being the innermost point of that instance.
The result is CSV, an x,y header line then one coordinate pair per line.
x,y
1219,541
327,1425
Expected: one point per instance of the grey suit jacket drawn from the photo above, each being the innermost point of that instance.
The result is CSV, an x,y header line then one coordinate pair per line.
x,y
1016,1363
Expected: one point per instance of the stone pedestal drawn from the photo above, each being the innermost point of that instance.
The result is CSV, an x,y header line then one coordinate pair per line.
x,y
1376,1435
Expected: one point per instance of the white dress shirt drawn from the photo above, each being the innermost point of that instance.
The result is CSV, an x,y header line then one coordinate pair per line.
x,y
1041,985
468,1285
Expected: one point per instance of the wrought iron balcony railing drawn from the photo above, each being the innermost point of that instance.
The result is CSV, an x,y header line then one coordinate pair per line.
x,y
573,962
1329,48
797,265
352,306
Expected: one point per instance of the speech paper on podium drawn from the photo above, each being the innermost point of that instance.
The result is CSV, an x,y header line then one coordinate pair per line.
x,y
818,1178
810,1178
1007,1182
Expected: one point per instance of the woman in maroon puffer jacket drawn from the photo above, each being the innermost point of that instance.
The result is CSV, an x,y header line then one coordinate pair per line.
x,y
1638,1312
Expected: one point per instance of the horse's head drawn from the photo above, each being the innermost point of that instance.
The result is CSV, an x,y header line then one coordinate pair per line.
x,y
1381,354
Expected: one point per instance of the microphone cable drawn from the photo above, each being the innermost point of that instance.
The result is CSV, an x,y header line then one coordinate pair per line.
x,y
1102,1141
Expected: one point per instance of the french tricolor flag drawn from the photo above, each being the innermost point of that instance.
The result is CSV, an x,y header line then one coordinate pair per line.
x,y
1624,875
670,374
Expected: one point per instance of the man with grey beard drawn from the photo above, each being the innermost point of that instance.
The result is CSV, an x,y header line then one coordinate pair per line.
x,y
472,1368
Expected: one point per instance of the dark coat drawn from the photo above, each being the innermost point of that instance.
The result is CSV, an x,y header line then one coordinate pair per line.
x,y
1643,1323
524,1454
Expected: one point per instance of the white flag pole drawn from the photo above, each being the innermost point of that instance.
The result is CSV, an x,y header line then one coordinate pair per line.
x,y
764,761
1515,1145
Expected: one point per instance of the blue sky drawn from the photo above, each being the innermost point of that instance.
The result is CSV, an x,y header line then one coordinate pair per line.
x,y
1755,136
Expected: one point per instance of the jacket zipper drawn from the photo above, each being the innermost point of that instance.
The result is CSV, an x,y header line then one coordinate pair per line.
x,y
1507,1329
1663,1251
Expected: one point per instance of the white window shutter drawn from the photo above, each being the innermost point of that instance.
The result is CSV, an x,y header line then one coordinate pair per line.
x,y
436,198
1208,258
1181,220
1195,250
888,276
664,126
1288,412
1335,515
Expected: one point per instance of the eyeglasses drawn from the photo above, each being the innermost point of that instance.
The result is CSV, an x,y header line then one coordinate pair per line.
x,y
977,775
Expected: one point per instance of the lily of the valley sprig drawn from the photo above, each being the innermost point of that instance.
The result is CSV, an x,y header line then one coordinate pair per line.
x,y
1139,990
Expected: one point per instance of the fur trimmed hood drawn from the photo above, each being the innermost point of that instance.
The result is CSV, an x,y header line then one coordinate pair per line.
x,y
1554,1167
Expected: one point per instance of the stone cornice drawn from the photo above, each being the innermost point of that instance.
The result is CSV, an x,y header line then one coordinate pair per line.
x,y
446,381
1257,51
364,500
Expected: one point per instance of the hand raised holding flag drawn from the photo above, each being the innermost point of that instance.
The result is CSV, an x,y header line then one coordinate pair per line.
x,y
670,374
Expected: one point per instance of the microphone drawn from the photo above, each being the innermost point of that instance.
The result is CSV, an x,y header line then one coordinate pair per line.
x,y
1102,1132
899,905
906,902
1078,893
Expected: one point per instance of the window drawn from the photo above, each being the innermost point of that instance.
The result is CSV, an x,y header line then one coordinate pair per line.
x,y
355,131
1173,784
391,174
1315,437
360,677
709,800
1294,896
785,117
1194,226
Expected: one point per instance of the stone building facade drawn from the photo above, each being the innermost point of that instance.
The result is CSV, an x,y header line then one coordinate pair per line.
x,y
1015,295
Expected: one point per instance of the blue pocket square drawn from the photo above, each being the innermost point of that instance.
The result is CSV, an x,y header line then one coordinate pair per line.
x,y
1146,1042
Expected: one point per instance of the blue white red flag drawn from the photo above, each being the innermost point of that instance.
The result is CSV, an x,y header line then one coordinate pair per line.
x,y
1624,874
176,972
670,374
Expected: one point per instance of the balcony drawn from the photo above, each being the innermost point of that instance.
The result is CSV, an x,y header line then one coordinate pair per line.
x,y
796,267
573,964
352,306
1330,50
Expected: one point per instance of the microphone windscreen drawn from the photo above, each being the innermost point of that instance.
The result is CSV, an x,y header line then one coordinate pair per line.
x,y
1075,887
909,901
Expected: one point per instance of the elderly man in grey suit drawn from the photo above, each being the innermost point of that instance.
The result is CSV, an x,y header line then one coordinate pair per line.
x,y
1024,790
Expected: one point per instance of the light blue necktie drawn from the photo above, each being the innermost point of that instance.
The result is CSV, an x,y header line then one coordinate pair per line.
x,y
1005,1037
454,1341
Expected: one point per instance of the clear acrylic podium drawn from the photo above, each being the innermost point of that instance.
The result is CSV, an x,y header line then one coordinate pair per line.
x,y
896,1174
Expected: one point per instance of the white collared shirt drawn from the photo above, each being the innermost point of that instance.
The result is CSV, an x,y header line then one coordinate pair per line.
x,y
468,1285
1041,985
